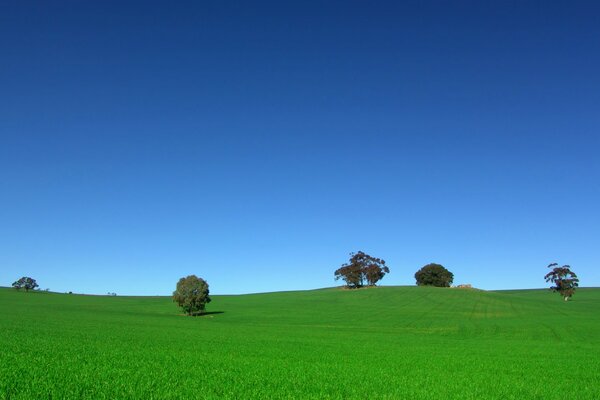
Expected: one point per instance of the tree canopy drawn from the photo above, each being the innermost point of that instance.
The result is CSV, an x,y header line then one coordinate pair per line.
x,y
26,283
434,275
361,269
564,280
192,294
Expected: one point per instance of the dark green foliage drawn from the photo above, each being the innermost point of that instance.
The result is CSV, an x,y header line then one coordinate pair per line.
x,y
434,275
565,281
191,294
360,269
26,283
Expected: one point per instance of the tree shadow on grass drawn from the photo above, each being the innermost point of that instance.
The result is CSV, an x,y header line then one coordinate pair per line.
x,y
203,313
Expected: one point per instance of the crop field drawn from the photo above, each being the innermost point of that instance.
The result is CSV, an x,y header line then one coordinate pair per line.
x,y
387,342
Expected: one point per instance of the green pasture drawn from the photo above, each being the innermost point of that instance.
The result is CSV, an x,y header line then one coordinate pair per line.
x,y
387,342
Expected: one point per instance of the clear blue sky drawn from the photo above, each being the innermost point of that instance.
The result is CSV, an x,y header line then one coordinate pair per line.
x,y
257,144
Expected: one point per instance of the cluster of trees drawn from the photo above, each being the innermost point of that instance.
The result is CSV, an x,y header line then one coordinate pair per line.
x,y
363,269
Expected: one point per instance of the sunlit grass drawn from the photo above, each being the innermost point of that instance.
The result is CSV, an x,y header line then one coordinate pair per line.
x,y
389,342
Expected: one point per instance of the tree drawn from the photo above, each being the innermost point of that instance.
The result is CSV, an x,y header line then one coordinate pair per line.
x,y
434,275
191,294
26,283
362,268
565,281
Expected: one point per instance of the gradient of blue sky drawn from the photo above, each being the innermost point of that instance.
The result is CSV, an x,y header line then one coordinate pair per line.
x,y
257,143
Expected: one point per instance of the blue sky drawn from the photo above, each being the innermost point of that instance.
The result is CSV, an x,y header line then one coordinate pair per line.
x,y
257,144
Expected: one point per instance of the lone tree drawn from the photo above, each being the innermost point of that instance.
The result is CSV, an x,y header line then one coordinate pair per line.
x,y
191,294
362,268
565,281
26,283
434,275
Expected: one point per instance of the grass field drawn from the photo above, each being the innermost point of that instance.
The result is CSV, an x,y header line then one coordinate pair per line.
x,y
388,342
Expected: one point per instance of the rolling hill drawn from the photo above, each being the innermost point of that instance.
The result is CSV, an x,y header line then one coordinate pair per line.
x,y
385,342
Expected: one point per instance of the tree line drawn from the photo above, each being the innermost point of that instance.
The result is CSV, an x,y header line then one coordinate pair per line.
x,y
192,293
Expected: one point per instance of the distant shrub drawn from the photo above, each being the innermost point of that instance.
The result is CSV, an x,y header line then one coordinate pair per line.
x,y
191,294
434,275
26,283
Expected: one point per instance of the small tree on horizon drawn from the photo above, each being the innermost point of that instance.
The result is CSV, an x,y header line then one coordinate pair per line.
x,y
191,294
26,283
565,281
362,268
434,275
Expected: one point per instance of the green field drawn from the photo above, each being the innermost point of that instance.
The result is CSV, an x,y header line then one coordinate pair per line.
x,y
388,342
